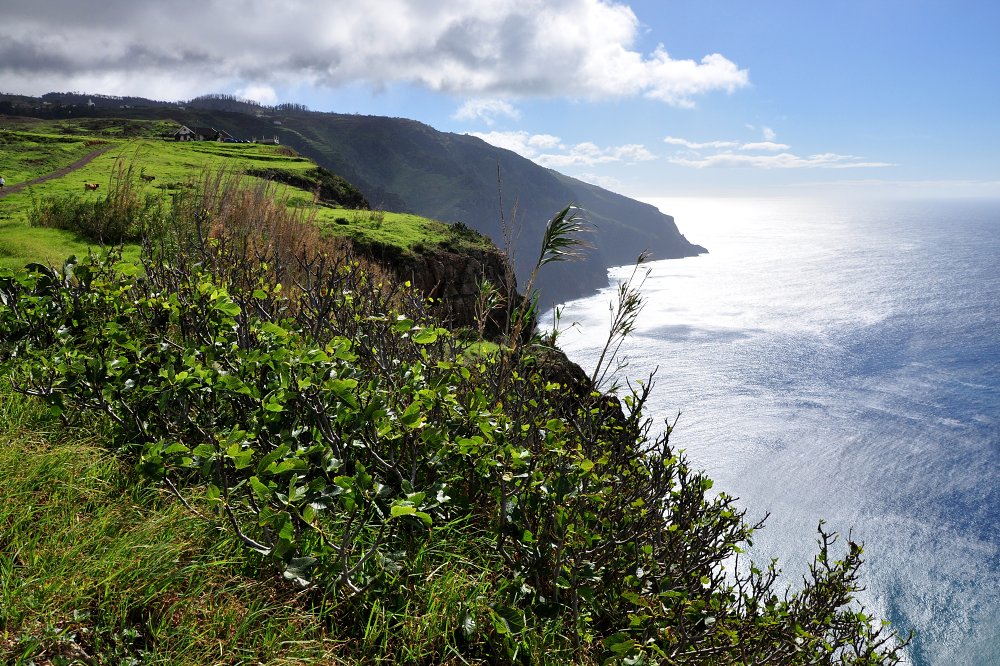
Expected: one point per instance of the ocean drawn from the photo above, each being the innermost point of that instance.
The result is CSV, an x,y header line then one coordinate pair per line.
x,y
840,362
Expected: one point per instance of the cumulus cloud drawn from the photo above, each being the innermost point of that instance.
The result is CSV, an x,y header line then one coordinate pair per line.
x,y
259,93
486,110
481,48
550,151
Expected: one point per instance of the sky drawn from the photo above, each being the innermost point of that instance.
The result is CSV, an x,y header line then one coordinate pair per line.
x,y
650,98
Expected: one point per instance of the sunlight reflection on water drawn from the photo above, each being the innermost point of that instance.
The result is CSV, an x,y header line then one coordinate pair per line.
x,y
841,363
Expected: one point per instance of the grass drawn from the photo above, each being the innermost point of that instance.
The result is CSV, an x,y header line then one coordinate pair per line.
x,y
406,230
33,148
20,245
26,155
99,567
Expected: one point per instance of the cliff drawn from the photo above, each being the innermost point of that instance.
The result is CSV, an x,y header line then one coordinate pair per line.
x,y
407,166
450,278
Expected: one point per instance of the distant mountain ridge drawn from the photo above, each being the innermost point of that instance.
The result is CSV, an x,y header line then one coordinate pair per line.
x,y
407,166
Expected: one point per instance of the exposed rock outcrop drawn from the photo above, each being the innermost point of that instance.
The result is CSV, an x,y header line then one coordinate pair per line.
x,y
452,279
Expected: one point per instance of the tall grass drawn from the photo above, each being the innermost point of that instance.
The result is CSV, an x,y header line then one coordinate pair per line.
x,y
126,213
99,567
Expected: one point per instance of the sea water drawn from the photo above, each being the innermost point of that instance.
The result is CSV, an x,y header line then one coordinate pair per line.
x,y
840,362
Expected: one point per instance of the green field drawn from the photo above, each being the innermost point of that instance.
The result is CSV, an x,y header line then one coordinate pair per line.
x,y
35,149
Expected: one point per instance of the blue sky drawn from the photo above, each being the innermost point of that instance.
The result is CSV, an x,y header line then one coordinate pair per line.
x,y
650,98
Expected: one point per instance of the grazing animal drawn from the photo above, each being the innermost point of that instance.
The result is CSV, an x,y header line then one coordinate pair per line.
x,y
91,186
148,179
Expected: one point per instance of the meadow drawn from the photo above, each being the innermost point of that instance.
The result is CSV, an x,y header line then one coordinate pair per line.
x,y
159,169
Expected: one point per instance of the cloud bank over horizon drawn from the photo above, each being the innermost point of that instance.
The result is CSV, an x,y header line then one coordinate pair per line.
x,y
552,152
766,154
467,48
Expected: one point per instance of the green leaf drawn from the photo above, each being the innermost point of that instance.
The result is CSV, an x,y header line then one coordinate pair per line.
x,y
426,336
412,418
274,329
344,389
619,643
243,459
228,308
555,425
286,531
262,492
425,517
126,268
398,510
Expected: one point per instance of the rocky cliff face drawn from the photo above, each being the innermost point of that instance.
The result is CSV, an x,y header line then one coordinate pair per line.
x,y
451,279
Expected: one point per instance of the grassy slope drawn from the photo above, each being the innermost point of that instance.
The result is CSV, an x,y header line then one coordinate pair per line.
x,y
36,148
96,564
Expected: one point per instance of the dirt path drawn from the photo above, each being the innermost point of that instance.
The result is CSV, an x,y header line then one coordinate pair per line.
x,y
83,161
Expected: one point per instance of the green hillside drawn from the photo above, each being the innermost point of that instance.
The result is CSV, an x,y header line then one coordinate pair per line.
x,y
135,153
404,165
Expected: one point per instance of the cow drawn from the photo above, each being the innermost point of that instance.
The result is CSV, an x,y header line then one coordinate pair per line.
x,y
148,179
91,186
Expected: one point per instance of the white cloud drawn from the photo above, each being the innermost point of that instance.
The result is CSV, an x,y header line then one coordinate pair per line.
x,y
675,141
702,145
780,161
550,151
765,145
259,93
607,182
724,155
486,110
482,48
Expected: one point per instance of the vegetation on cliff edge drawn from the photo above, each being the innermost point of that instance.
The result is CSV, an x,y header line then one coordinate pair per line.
x,y
400,491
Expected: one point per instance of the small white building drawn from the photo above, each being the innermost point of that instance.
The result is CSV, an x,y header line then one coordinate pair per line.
x,y
185,133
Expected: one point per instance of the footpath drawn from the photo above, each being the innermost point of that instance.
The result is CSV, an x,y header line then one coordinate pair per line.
x,y
83,161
